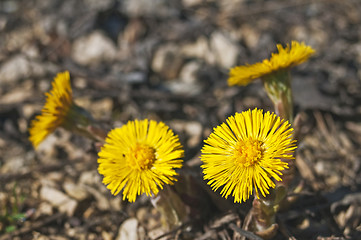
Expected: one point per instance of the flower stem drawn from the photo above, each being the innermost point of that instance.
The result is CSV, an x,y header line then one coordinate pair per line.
x,y
263,213
264,209
278,88
171,208
80,121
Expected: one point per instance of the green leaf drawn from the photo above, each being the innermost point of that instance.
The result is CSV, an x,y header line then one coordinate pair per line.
x,y
18,216
10,228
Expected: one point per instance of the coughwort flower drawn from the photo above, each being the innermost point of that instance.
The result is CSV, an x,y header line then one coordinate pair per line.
x,y
246,152
140,157
284,59
55,111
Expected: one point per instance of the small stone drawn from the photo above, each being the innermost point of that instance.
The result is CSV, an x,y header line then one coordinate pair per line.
x,y
75,191
10,6
304,224
58,199
3,198
44,85
199,49
17,39
128,230
182,88
333,180
188,74
15,69
47,150
225,49
107,236
319,168
18,95
94,48
194,130
89,212
71,232
102,202
299,32
116,203
14,165
3,21
84,102
250,36
90,178
167,61
155,233
308,96
80,83
102,109
230,6
132,33
98,5
135,77
29,109
2,142
225,109
54,176
45,209
187,84
191,3
177,125
142,214
142,8
31,51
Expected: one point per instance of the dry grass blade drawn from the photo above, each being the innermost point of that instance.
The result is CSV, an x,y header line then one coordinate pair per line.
x,y
34,226
244,233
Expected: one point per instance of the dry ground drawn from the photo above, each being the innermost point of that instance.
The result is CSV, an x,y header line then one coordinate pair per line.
x,y
168,60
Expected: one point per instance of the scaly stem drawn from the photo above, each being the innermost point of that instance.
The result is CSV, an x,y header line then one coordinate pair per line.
x,y
278,88
80,121
172,209
264,209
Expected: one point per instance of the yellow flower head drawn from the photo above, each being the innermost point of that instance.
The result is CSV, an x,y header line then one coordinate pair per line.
x,y
285,58
58,102
140,157
246,153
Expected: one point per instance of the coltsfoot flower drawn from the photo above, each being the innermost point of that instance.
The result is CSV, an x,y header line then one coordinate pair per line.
x,y
284,59
246,152
55,111
140,157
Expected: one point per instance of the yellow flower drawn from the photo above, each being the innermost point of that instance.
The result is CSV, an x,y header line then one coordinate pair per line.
x,y
284,59
246,153
140,157
55,110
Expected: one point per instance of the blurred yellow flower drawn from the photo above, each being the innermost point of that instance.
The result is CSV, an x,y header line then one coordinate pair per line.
x,y
284,59
54,113
246,152
140,157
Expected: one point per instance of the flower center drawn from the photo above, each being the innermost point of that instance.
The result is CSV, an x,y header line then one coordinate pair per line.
x,y
248,152
141,157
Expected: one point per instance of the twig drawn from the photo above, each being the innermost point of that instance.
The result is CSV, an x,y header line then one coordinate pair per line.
x,y
8,177
170,232
283,229
17,176
267,7
244,233
33,226
307,172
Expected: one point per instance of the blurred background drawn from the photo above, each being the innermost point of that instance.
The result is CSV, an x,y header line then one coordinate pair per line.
x,y
168,60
